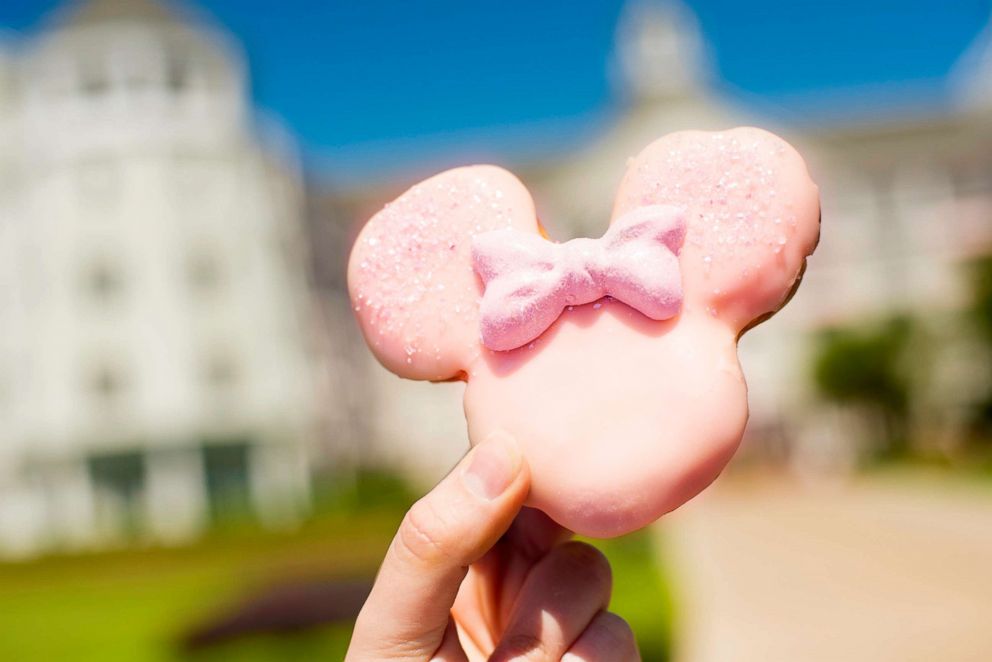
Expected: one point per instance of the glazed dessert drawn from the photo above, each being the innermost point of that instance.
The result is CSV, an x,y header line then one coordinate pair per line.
x,y
612,361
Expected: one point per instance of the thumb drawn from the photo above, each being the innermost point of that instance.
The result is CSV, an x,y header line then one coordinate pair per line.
x,y
446,531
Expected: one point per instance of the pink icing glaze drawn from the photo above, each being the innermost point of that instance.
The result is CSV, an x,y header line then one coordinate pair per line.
x,y
529,280
621,418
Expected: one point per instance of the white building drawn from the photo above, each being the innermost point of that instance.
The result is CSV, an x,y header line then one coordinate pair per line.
x,y
906,195
906,199
154,305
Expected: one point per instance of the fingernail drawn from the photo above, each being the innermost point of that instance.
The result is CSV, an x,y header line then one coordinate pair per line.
x,y
492,466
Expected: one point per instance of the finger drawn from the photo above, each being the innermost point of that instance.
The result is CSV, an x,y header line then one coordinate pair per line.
x,y
488,594
533,533
408,609
450,649
561,595
531,536
608,638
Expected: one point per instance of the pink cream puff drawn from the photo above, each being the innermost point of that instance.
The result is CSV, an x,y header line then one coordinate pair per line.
x,y
612,361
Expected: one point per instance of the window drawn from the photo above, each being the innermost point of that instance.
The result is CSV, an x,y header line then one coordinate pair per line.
x,y
226,465
119,482
177,73
106,383
204,271
221,371
93,80
103,280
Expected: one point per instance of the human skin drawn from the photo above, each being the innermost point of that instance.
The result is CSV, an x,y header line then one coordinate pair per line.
x,y
473,575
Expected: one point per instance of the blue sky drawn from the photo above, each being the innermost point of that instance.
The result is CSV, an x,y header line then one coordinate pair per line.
x,y
370,86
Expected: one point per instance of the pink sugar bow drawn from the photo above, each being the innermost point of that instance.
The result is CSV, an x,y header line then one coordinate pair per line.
x,y
529,280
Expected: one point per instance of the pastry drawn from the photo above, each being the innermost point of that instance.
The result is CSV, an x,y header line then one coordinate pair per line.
x,y
612,361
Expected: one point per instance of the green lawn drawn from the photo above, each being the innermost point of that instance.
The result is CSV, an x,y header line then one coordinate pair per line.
x,y
134,605
641,592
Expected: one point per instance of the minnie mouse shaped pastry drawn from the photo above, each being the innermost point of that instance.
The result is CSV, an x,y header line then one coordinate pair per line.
x,y
611,361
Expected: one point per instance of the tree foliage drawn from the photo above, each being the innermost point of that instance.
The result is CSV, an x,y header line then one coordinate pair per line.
x,y
980,312
980,308
865,365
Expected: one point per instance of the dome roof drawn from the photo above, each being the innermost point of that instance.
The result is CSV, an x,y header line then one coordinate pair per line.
x,y
95,12
659,49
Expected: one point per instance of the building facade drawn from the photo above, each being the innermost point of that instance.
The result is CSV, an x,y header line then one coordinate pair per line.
x,y
907,202
155,357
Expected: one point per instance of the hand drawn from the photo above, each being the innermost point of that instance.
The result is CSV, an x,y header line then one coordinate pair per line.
x,y
471,575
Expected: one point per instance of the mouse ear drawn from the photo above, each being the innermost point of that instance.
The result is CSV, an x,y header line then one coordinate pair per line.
x,y
410,274
752,216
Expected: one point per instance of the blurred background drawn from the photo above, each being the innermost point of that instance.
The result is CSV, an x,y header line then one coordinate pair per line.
x,y
200,460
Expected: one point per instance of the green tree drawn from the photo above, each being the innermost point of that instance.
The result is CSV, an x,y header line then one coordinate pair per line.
x,y
866,368
980,313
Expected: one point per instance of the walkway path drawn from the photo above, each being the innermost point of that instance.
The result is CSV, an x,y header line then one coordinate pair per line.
x,y
885,570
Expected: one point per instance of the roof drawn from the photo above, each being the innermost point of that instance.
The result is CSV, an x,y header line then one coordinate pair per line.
x,y
77,13
971,77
